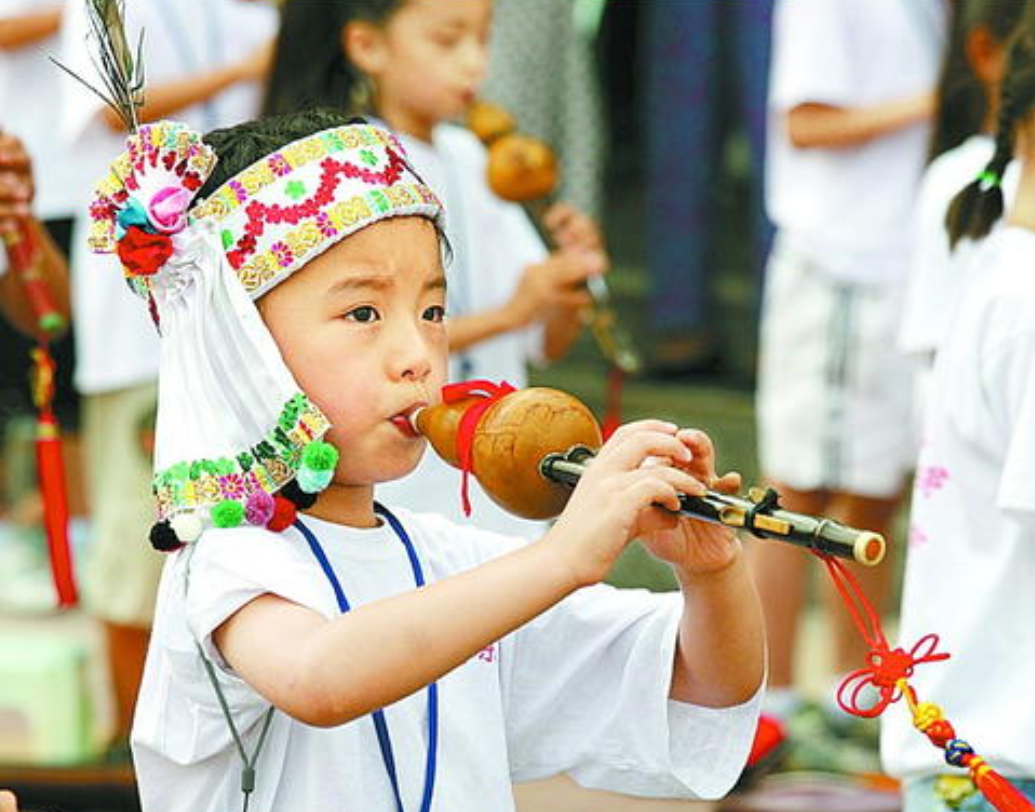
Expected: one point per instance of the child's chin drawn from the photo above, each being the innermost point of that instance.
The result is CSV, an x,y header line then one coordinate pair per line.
x,y
402,466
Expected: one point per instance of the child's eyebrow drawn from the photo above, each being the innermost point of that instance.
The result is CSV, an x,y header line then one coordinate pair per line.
x,y
377,282
436,283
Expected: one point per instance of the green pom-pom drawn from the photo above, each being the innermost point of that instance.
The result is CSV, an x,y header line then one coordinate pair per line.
x,y
312,481
320,456
228,513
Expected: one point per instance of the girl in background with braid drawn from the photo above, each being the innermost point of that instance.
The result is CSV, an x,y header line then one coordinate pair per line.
x,y
964,140
971,559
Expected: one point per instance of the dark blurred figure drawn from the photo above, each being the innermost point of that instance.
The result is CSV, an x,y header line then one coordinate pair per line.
x,y
705,72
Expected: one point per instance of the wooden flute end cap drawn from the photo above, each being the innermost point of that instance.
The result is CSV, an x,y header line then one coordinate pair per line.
x,y
869,549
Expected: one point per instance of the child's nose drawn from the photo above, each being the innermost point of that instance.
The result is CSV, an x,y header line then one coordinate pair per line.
x,y
409,357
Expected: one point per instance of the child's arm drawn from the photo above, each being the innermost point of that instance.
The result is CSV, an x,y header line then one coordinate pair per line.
x,y
552,292
812,126
720,654
16,194
327,672
571,230
556,282
163,100
18,30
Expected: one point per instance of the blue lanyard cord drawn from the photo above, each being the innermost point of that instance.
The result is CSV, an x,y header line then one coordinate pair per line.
x,y
384,739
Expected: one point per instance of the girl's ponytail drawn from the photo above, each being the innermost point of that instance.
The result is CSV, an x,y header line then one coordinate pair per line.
x,y
979,206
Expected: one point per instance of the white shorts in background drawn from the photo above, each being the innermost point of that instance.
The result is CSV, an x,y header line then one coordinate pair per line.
x,y
834,393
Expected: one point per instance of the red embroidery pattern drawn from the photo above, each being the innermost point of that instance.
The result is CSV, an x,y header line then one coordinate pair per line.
x,y
332,171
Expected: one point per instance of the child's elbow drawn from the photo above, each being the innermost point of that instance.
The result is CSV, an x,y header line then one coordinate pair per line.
x,y
311,701
316,711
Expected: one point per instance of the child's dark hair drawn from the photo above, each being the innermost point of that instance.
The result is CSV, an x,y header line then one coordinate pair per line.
x,y
310,68
976,209
240,146
962,102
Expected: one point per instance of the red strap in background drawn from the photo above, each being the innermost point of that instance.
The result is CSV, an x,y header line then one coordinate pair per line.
x,y
613,401
51,470
488,393
24,257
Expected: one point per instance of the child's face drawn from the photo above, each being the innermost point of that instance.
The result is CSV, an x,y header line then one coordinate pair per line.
x,y
429,59
361,329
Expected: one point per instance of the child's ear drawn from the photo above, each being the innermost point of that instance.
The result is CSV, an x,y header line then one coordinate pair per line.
x,y
364,46
985,55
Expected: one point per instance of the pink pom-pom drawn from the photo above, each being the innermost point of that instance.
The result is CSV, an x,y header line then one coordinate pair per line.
x,y
168,209
259,508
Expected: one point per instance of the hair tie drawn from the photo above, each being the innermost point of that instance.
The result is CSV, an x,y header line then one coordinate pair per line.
x,y
989,179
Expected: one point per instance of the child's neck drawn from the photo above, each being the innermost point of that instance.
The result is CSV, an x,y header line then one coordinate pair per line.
x,y
351,505
1022,209
405,121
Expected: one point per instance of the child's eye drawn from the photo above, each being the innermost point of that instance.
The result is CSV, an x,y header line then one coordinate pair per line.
x,y
446,39
436,313
364,314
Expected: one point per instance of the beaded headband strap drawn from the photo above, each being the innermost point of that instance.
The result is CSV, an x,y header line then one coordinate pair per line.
x,y
236,434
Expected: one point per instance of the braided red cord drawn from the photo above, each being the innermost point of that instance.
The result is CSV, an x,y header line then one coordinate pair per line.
x,y
888,671
488,393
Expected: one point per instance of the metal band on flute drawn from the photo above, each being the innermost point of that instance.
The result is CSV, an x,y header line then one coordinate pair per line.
x,y
528,448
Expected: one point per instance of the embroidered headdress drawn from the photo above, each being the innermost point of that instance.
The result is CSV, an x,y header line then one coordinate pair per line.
x,y
235,432
237,440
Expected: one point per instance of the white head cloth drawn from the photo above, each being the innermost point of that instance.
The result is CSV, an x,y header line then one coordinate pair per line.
x,y
233,425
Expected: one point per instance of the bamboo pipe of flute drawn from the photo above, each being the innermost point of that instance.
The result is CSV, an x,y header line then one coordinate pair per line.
x,y
751,514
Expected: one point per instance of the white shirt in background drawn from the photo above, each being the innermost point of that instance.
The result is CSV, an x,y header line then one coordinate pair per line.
x,y
937,273
581,689
849,209
971,562
29,85
116,343
493,242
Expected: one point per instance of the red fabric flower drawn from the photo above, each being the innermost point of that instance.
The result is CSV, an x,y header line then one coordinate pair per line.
x,y
143,253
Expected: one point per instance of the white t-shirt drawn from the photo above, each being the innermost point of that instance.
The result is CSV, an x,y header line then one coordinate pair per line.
x,y
116,343
849,209
492,242
937,273
28,79
581,689
971,561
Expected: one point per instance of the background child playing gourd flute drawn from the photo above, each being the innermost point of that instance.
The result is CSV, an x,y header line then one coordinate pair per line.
x,y
417,65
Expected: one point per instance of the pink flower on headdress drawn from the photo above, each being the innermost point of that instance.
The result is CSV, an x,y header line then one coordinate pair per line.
x,y
167,210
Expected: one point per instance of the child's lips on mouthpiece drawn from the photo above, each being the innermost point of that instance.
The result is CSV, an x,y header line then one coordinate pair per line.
x,y
403,422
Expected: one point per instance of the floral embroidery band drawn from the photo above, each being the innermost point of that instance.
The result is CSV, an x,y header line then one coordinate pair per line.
x,y
288,207
267,466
